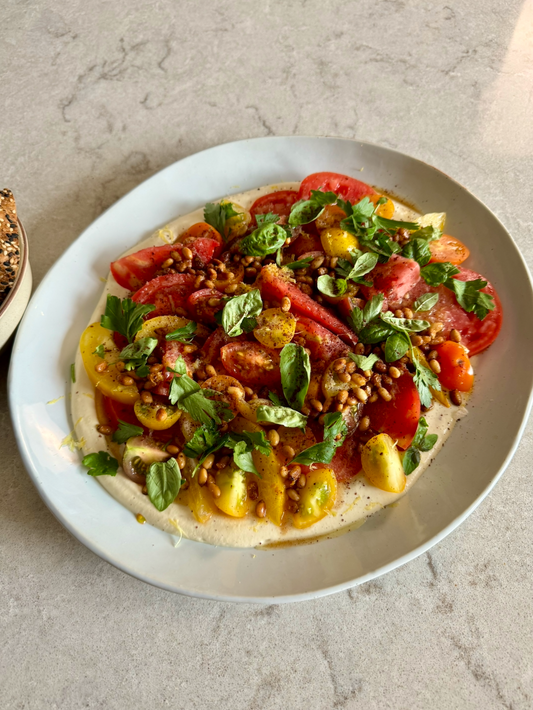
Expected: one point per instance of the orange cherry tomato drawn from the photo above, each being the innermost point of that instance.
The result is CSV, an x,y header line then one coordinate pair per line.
x,y
450,249
456,372
201,230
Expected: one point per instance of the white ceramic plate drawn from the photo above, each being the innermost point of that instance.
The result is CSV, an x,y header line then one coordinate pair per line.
x,y
474,458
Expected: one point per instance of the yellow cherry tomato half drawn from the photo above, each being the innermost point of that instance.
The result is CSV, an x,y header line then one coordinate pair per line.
x,y
338,242
382,464
162,325
386,210
156,415
233,492
237,225
275,328
108,381
317,498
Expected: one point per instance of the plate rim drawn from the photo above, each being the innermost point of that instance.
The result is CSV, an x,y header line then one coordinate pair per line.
x,y
285,598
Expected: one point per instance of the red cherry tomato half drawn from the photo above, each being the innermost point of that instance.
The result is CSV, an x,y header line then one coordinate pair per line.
x,y
200,230
134,270
324,346
199,308
168,293
210,351
456,371
399,417
251,363
394,279
348,188
279,202
476,335
347,460
308,241
450,249
274,287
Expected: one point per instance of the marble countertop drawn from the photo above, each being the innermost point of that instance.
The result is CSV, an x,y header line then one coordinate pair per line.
x,y
98,96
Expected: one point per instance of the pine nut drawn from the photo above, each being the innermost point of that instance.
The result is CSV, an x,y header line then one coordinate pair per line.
x,y
104,429
181,460
398,313
435,366
214,489
342,396
101,367
209,461
167,263
284,471
351,367
235,392
456,397
455,336
213,302
358,380
432,355
231,288
161,414
344,377
187,253
127,380
408,313
202,477
360,394
171,449
384,394
302,481
198,282
260,509
146,397
317,262
373,397
293,495
394,372
340,365
289,451
273,437
417,340
316,404
209,284
364,424
285,304
210,371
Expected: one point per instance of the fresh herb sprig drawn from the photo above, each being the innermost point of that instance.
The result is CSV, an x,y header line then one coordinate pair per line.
x,y
469,294
191,398
125,316
240,312
100,464
421,442
335,431
218,214
184,334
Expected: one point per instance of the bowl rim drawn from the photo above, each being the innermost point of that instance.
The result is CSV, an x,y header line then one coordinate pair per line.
x,y
21,272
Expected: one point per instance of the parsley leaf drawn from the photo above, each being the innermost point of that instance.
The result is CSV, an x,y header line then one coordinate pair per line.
x,y
331,287
426,302
300,264
437,274
420,442
100,464
126,431
240,308
163,482
418,250
277,401
265,240
242,456
424,379
470,296
362,362
217,215
184,334
334,426
295,370
359,318
99,350
190,397
136,354
126,316
281,415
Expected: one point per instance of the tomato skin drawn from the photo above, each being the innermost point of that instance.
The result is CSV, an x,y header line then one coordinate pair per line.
x,y
448,248
476,335
348,188
274,286
210,351
200,230
347,460
456,371
306,242
279,202
399,417
251,363
115,410
199,307
168,294
394,279
324,346
135,270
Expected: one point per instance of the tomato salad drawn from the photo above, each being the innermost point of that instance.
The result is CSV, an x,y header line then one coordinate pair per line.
x,y
271,356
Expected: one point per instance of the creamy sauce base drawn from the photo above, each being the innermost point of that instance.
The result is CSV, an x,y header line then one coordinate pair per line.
x,y
356,501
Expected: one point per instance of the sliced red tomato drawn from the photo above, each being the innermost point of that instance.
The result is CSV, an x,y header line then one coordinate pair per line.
x,y
274,286
324,346
120,340
347,460
279,202
399,417
134,270
450,249
210,351
200,230
308,241
456,371
476,334
172,349
394,279
348,188
251,363
167,293
199,308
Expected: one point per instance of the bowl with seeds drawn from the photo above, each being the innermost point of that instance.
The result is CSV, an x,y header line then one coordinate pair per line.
x,y
15,272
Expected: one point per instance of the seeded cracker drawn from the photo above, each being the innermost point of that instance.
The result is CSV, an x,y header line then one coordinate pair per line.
x,y
9,243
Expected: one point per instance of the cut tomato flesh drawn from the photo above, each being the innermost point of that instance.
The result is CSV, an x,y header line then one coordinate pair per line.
x,y
347,460
399,417
135,270
251,363
306,242
274,286
199,308
450,249
210,351
168,294
394,279
279,202
476,334
324,346
347,187
116,411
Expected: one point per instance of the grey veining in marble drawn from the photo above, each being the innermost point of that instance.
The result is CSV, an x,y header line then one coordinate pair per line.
x,y
96,97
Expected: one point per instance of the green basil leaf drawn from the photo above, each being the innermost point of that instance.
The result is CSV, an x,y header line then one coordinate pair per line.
x,y
267,218
428,443
184,334
303,212
418,250
100,464
364,362
163,482
300,264
408,325
429,233
237,309
264,240
421,431
126,431
373,308
375,332
124,316
437,274
355,319
396,346
322,198
364,263
426,302
254,439
242,457
334,425
281,415
471,298
411,459
217,215
295,370
330,286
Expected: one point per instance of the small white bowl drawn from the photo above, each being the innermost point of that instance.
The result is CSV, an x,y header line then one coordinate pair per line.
x,y
13,307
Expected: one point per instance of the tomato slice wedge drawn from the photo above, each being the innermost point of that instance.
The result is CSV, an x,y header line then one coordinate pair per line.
x,y
210,351
450,249
348,188
199,308
251,363
394,279
476,334
279,202
347,460
275,286
399,417
168,294
134,270
305,243
324,346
